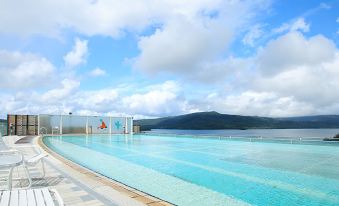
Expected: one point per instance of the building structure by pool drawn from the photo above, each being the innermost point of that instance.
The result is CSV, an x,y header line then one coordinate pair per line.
x,y
67,124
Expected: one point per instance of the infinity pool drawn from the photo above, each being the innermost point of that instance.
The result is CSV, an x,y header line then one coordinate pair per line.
x,y
198,171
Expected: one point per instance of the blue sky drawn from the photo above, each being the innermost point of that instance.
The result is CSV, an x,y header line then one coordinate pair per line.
x,y
160,58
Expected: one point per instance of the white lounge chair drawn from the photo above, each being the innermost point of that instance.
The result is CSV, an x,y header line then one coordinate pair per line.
x,y
11,158
31,197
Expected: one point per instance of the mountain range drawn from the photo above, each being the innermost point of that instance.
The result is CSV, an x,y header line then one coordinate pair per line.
x,y
215,120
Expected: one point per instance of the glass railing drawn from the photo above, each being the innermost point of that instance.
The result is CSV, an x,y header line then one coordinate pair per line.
x,y
273,139
3,128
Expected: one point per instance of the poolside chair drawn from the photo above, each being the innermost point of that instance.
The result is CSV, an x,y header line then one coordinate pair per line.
x,y
34,197
11,158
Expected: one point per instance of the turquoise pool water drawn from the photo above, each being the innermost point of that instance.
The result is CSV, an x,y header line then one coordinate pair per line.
x,y
198,171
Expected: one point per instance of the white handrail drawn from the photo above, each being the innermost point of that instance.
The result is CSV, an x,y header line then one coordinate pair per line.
x,y
41,128
55,129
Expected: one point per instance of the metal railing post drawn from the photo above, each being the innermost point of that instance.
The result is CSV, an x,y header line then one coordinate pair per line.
x,y
110,125
87,125
60,125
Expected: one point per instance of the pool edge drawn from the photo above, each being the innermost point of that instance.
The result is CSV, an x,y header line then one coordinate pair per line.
x,y
138,195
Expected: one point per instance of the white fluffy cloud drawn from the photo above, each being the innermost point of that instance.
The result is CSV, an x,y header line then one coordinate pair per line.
x,y
292,50
290,75
280,80
68,87
24,70
316,84
296,25
33,102
100,101
303,70
155,101
257,103
190,44
253,34
104,17
160,100
77,55
97,72
181,45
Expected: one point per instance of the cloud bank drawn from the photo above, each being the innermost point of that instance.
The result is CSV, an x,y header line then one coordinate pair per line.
x,y
189,44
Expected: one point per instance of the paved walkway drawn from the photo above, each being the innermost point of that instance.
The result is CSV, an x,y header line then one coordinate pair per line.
x,y
75,187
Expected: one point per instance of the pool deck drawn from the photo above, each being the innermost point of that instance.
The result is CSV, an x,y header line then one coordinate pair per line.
x,y
76,184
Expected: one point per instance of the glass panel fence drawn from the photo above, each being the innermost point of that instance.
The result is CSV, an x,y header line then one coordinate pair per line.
x,y
118,125
3,128
98,125
71,124
49,122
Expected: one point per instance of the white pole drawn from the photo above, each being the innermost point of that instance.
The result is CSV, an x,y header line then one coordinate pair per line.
x,y
131,128
125,126
60,125
38,124
86,124
110,125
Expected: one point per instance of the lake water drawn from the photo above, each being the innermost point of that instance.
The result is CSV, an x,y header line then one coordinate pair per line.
x,y
265,133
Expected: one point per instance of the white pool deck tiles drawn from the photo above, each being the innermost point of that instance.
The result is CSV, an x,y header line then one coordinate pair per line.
x,y
76,186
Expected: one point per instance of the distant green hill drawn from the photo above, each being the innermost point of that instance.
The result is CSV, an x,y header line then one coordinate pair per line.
x,y
215,120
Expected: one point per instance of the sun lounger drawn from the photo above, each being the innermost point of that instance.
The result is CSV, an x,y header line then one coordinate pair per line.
x,y
11,158
31,197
